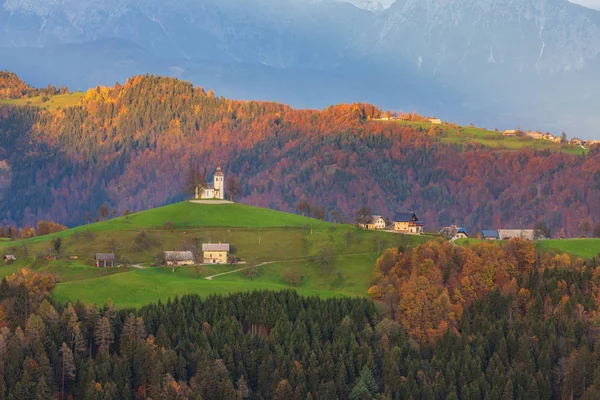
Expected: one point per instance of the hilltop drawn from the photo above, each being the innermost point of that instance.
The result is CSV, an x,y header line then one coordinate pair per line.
x,y
292,245
12,87
131,146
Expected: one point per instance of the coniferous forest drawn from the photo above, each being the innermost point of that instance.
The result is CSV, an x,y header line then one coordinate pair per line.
x,y
131,147
448,324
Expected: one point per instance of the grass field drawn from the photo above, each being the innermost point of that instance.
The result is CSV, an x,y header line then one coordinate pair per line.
x,y
259,235
348,276
468,134
581,247
586,248
54,102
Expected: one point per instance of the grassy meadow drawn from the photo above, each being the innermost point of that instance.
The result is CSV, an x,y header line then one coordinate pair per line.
x,y
53,103
586,248
470,135
347,276
291,243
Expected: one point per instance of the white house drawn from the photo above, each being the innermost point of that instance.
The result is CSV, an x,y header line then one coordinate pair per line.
x,y
377,222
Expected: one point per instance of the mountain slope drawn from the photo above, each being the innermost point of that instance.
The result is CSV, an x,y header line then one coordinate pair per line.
x,y
132,145
473,61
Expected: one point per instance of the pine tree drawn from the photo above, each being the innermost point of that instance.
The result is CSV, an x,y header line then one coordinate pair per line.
x,y
67,367
103,333
283,391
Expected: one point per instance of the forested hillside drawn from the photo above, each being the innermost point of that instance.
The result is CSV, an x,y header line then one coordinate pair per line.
x,y
529,331
131,147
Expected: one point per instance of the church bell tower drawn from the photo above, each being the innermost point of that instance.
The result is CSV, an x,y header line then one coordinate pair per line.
x,y
219,183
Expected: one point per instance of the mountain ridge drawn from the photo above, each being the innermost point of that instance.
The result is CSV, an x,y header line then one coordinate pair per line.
x,y
470,57
131,146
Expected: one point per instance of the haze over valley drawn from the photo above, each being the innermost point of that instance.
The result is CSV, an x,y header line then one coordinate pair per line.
x,y
498,64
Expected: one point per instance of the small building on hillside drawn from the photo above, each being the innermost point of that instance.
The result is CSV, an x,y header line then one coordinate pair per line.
x,y
534,135
377,222
551,138
490,235
408,223
215,253
178,258
435,121
510,132
461,233
576,141
9,258
215,190
104,260
506,234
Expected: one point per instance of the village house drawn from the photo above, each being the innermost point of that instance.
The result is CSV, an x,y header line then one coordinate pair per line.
x,y
490,235
461,233
435,121
408,223
377,222
215,190
104,260
551,138
178,258
215,253
534,135
9,258
592,142
576,141
510,132
506,234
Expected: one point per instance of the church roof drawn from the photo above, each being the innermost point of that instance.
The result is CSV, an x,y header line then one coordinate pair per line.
x,y
218,172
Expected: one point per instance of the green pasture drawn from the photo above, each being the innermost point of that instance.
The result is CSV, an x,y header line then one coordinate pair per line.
x,y
347,275
586,248
471,135
257,235
52,102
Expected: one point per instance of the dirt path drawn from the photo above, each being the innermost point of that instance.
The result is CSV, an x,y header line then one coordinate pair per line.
x,y
138,266
210,278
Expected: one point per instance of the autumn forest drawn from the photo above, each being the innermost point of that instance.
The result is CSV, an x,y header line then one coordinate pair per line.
x,y
131,146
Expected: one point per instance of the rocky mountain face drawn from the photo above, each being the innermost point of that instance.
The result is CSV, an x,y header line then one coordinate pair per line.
x,y
503,62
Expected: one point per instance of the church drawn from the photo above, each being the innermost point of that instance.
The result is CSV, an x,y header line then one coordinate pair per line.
x,y
215,190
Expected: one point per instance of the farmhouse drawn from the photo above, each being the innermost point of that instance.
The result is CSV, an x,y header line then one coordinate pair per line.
x,y
490,235
506,234
215,190
178,258
215,253
461,233
534,135
104,260
377,222
576,141
408,223
551,138
9,258
510,132
435,121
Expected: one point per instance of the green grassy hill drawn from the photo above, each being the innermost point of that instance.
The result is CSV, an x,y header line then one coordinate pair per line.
x,y
586,248
289,243
50,103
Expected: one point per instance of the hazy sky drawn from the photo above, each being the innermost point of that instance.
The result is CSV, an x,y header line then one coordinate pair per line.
x,y
588,3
